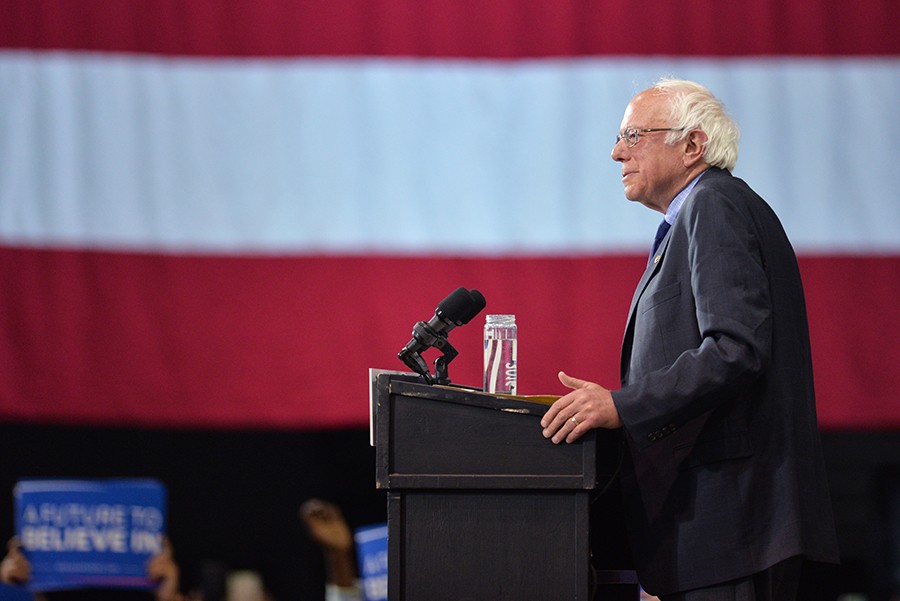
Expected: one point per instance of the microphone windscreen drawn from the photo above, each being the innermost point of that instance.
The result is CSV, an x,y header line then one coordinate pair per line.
x,y
478,303
456,306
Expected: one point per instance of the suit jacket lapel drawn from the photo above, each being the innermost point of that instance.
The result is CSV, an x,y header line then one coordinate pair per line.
x,y
652,266
629,328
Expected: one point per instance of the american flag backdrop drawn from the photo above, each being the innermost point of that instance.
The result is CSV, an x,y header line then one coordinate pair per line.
x,y
223,212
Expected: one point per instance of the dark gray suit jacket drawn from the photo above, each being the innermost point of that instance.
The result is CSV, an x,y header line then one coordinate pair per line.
x,y
724,473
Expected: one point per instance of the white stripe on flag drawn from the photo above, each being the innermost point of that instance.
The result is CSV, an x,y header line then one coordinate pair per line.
x,y
416,156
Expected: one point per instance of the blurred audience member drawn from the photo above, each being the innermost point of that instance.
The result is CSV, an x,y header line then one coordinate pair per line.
x,y
327,527
162,569
245,585
14,569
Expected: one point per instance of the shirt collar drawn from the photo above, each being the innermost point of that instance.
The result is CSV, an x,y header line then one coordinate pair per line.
x,y
675,205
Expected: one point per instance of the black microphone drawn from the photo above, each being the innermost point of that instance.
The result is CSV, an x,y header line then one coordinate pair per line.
x,y
457,309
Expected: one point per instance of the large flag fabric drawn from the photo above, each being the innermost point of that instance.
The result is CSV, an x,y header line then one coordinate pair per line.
x,y
221,213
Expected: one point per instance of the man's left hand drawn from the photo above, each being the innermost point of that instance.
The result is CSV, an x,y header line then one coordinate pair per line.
x,y
588,406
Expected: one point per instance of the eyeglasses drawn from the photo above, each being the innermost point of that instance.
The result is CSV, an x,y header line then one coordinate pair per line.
x,y
632,135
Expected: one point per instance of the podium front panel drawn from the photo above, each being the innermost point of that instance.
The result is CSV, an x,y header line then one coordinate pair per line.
x,y
488,546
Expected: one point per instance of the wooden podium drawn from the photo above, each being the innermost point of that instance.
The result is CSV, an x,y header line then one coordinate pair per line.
x,y
481,507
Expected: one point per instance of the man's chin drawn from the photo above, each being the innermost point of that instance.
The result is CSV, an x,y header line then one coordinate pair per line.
x,y
630,192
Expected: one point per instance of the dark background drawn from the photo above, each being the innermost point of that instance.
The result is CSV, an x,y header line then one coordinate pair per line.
x,y
234,495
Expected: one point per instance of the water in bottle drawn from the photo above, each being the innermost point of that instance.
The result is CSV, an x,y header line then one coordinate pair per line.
x,y
500,354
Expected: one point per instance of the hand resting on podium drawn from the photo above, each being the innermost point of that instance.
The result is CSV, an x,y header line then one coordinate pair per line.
x,y
588,406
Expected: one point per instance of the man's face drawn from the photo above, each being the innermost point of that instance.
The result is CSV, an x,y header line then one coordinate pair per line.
x,y
652,171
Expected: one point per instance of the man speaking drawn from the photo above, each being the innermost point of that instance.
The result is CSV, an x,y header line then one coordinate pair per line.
x,y
723,479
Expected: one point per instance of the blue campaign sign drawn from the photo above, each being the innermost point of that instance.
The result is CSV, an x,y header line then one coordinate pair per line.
x,y
9,592
90,533
372,553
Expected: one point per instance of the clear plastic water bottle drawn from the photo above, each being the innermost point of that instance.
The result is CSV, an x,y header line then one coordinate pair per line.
x,y
500,354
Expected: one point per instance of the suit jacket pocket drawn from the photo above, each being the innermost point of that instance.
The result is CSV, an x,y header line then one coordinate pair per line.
x,y
661,295
704,452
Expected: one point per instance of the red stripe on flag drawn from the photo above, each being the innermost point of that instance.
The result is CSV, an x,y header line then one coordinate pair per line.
x,y
502,29
853,322
286,342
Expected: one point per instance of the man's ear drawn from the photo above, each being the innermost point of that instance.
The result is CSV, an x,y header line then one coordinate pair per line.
x,y
694,147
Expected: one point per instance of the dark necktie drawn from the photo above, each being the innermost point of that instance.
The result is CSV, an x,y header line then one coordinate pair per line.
x,y
660,234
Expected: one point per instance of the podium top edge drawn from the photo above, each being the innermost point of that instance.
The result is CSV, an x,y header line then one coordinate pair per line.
x,y
470,396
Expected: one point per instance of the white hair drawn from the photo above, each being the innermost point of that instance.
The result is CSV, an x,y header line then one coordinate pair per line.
x,y
695,107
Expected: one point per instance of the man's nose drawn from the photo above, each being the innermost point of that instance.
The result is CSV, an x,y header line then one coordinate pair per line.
x,y
618,151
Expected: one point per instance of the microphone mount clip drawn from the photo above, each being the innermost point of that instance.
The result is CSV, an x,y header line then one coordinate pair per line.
x,y
429,338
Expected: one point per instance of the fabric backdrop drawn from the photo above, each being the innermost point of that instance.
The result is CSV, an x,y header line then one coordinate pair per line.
x,y
222,213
